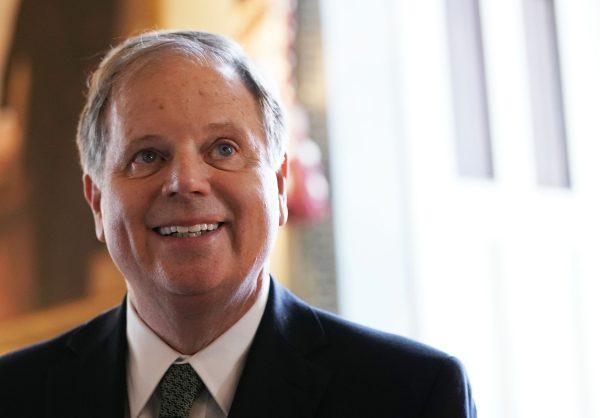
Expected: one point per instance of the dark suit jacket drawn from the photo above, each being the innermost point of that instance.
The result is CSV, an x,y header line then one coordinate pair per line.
x,y
303,363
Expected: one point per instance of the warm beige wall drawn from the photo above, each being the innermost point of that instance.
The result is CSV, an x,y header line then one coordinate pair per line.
x,y
8,10
136,16
15,227
227,17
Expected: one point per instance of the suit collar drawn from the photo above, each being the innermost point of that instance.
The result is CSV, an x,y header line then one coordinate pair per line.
x,y
279,378
296,321
90,379
108,328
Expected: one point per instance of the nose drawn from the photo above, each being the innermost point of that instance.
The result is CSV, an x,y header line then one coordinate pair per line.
x,y
188,175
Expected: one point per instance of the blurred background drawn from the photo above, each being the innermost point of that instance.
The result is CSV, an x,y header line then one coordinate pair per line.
x,y
445,174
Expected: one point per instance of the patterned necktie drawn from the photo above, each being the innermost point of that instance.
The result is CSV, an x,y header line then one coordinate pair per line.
x,y
179,387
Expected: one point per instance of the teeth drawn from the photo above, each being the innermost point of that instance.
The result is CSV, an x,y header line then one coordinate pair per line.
x,y
165,230
187,234
187,231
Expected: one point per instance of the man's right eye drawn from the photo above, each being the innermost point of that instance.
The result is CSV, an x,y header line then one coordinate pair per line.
x,y
147,156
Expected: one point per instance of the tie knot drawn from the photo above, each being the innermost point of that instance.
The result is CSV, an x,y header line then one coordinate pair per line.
x,y
179,387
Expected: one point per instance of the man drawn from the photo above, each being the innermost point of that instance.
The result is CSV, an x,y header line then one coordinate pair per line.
x,y
183,153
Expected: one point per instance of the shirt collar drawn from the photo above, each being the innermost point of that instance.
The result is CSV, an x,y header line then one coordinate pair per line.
x,y
219,364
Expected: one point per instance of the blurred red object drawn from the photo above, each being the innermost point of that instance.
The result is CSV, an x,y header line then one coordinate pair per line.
x,y
308,189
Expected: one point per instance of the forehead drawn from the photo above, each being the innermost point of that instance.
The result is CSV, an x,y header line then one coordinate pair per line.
x,y
172,85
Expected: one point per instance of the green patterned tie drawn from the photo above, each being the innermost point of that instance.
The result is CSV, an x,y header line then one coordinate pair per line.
x,y
179,387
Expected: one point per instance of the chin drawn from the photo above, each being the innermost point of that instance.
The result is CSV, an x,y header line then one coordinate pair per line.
x,y
192,282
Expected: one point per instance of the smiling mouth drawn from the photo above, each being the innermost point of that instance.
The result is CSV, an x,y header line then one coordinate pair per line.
x,y
191,231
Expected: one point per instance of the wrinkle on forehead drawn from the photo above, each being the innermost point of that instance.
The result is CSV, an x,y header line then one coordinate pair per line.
x,y
167,62
158,61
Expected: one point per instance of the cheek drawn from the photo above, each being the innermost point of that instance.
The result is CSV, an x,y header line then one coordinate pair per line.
x,y
111,214
124,233
272,200
255,206
262,198
117,213
267,208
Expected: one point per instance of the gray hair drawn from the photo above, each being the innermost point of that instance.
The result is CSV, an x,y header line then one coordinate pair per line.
x,y
207,48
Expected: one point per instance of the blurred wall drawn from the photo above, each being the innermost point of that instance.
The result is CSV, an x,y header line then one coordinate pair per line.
x,y
56,43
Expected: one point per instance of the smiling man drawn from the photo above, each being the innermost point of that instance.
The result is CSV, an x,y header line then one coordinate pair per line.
x,y
183,152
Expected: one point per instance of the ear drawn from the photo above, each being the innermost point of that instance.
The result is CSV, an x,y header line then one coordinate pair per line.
x,y
282,190
93,195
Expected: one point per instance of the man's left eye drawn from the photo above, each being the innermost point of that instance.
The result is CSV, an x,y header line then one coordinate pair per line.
x,y
225,150
226,155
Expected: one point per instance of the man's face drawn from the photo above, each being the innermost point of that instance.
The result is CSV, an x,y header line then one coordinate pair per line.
x,y
188,203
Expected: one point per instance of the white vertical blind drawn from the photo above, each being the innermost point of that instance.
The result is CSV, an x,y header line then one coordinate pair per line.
x,y
545,81
469,89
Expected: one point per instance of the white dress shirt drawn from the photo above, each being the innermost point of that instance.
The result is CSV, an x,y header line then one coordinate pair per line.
x,y
219,365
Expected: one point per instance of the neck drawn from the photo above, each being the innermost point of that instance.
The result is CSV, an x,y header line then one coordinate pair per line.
x,y
188,323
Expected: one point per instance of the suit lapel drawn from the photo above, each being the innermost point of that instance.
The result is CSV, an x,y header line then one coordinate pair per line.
x,y
279,379
90,381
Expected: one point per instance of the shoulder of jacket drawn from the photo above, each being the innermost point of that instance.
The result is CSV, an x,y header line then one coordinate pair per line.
x,y
35,356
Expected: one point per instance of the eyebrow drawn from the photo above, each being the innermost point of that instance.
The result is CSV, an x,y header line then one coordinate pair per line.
x,y
144,138
215,126
138,142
